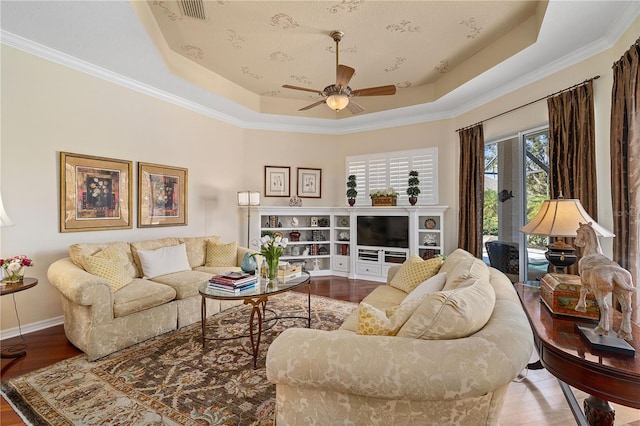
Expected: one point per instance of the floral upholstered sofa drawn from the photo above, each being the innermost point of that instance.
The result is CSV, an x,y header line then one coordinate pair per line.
x,y
439,352
117,294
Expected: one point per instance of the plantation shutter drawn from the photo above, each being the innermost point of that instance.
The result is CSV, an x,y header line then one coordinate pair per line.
x,y
391,170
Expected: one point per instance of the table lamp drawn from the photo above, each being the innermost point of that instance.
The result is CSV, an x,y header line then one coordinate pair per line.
x,y
560,218
248,199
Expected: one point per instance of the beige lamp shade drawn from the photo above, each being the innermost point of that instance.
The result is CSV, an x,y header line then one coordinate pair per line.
x,y
4,218
248,198
561,218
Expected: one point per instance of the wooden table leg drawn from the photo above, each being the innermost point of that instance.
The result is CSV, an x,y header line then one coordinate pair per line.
x,y
598,412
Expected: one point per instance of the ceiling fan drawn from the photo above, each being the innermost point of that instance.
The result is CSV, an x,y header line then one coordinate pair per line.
x,y
338,96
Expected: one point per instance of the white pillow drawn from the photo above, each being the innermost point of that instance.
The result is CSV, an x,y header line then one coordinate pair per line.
x,y
433,284
164,260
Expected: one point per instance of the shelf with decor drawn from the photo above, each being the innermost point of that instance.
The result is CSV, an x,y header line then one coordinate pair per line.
x,y
341,244
429,236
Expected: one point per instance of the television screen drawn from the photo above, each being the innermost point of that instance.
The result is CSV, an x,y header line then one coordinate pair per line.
x,y
383,231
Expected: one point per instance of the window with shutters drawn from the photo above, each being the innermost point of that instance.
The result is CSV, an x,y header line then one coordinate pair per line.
x,y
391,170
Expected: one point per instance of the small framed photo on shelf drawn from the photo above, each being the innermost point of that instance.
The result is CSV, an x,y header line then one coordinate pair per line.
x,y
277,181
309,183
95,193
162,195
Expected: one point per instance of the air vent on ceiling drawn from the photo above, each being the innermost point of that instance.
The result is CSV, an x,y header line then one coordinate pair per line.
x,y
192,8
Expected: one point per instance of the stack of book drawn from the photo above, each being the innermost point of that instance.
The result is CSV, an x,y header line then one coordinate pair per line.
x,y
234,282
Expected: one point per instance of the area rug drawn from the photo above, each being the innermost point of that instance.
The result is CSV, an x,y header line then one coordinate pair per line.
x,y
170,379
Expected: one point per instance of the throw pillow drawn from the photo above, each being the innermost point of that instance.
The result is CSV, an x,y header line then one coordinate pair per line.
x,y
452,260
433,284
452,314
414,271
375,322
222,254
467,269
111,266
164,260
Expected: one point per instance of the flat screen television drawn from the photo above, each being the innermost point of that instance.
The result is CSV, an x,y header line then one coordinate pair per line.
x,y
383,231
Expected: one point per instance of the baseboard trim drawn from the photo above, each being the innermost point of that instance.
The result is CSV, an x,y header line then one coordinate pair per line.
x,y
30,328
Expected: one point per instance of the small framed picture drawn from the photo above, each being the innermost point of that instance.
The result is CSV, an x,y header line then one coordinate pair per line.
x,y
162,195
309,183
277,181
95,193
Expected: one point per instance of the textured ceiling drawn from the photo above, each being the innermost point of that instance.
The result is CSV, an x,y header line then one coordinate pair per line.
x,y
246,50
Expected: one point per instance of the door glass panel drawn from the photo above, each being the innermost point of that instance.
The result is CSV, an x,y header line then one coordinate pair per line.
x,y
536,167
502,204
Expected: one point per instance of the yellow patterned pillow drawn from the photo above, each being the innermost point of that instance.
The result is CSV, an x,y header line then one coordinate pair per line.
x,y
415,271
375,322
222,254
108,264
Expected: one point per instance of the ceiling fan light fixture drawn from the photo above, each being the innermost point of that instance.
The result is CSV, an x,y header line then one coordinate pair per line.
x,y
338,101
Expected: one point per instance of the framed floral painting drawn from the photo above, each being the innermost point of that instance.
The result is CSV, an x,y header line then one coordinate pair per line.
x,y
162,195
277,181
309,183
95,193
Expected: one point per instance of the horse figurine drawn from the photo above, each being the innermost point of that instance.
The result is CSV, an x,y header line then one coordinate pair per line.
x,y
601,276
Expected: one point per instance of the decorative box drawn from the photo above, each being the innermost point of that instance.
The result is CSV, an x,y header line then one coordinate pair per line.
x,y
384,201
561,292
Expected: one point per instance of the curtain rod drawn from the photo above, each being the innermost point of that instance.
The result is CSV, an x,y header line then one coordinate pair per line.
x,y
530,103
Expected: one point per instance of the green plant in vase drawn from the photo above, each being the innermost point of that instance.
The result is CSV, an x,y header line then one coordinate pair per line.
x,y
271,249
351,190
414,187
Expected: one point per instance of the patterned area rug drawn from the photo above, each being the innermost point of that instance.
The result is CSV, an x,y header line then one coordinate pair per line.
x,y
170,379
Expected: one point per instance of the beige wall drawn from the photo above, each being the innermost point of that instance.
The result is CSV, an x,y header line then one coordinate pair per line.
x,y
48,108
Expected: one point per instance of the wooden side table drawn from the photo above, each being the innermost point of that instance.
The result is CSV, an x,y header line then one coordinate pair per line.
x,y
11,288
603,375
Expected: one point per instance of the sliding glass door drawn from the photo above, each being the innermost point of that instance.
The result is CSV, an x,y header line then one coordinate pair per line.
x,y
516,183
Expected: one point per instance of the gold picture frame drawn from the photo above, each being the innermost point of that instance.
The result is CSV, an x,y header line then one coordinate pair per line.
x,y
162,195
95,193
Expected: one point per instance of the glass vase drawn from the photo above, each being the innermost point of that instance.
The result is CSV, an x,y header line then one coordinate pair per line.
x,y
272,267
16,276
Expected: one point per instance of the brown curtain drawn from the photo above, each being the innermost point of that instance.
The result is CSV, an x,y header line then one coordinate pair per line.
x,y
572,157
625,165
471,198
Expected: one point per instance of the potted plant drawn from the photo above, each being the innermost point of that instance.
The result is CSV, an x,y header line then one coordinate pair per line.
x,y
383,197
351,189
414,187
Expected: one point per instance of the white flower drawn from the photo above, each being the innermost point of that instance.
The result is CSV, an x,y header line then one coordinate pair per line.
x,y
14,266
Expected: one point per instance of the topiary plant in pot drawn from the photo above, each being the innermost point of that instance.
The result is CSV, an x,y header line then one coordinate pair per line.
x,y
351,190
414,187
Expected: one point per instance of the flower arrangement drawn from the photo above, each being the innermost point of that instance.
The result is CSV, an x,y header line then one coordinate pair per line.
x,y
13,267
386,192
271,249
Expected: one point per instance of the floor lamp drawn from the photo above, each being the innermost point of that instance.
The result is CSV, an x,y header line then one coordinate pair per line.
x,y
248,199
561,218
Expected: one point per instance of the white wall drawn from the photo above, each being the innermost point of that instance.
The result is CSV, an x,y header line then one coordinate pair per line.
x,y
48,108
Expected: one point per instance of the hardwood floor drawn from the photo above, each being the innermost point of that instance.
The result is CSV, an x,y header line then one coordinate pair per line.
x,y
535,401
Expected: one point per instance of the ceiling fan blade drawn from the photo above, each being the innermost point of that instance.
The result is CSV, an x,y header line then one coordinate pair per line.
x,y
315,104
375,91
354,107
288,86
343,75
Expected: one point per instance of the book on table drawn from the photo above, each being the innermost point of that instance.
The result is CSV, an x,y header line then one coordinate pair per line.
x,y
233,279
234,290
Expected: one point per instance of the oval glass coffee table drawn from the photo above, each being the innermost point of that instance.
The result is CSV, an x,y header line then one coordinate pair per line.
x,y
257,297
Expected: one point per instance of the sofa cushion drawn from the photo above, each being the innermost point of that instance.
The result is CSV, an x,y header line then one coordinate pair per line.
x,y
164,260
110,265
433,284
197,249
452,260
383,297
452,314
376,322
467,269
414,271
222,254
78,253
150,245
140,295
185,283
